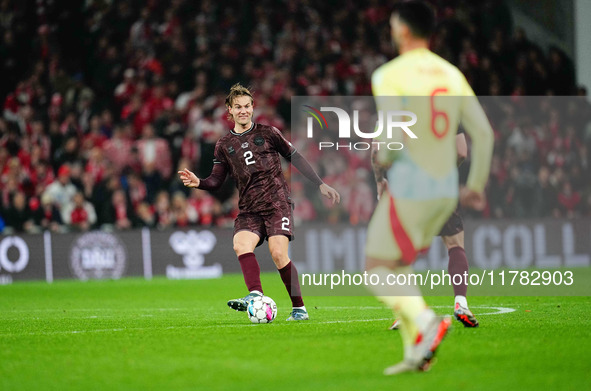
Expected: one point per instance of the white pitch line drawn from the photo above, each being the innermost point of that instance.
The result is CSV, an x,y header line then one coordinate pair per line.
x,y
186,327
95,309
351,321
376,307
499,311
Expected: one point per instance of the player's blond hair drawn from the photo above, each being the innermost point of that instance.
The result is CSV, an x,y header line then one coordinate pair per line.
x,y
236,91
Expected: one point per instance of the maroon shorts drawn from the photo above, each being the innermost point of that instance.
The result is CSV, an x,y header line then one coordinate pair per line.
x,y
265,224
454,225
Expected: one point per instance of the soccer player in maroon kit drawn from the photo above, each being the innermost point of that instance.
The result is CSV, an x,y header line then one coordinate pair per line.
x,y
250,154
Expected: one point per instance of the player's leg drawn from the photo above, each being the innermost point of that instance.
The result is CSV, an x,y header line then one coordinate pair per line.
x,y
279,229
278,246
247,236
395,233
452,234
244,243
458,265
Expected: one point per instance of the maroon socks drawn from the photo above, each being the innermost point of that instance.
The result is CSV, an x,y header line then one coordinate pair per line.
x,y
289,275
251,272
458,264
291,280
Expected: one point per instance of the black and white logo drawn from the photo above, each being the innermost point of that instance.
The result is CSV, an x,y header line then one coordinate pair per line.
x,y
14,257
98,255
192,246
244,145
259,140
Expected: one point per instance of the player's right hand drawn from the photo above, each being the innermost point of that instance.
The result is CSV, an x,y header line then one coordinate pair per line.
x,y
188,178
472,199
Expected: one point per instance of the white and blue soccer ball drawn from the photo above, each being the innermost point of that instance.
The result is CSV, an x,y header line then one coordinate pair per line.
x,y
261,309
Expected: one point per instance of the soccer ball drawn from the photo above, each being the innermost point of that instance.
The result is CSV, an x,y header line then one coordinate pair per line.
x,y
261,309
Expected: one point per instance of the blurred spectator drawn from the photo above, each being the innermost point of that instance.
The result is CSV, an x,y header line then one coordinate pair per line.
x,y
545,201
78,95
79,214
96,165
136,190
117,150
41,176
48,216
569,200
304,209
102,195
68,153
145,216
94,138
119,212
360,203
154,150
153,181
61,190
204,204
126,89
162,212
183,212
17,214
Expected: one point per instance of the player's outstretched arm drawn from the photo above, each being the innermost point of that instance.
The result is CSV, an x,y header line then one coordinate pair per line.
x,y
287,150
188,178
306,169
213,182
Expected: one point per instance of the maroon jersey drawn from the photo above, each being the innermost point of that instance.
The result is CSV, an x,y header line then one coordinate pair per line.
x,y
252,159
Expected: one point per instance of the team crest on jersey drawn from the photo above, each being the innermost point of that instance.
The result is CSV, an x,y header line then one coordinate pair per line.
x,y
244,145
231,150
259,140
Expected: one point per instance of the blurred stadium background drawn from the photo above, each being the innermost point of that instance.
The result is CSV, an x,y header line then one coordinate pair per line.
x,y
104,100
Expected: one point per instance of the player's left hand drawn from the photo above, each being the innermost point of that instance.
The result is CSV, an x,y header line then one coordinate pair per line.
x,y
472,199
330,193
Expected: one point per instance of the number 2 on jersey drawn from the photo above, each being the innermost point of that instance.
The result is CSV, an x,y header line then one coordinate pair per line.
x,y
285,224
437,113
248,158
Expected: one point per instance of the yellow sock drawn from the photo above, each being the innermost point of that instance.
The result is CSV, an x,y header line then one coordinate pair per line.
x,y
408,309
406,301
407,339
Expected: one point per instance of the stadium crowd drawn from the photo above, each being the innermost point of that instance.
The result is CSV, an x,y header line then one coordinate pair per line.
x,y
104,100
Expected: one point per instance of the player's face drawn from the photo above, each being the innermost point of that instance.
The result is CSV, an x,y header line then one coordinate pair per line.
x,y
242,110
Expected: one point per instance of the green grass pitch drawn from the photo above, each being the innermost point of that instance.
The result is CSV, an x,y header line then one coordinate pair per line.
x,y
180,335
